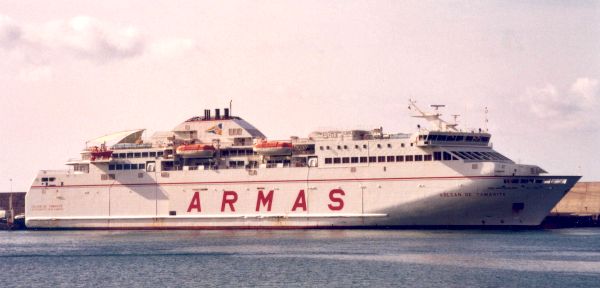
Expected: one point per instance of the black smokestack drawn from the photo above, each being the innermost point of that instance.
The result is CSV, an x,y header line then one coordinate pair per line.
x,y
217,114
226,111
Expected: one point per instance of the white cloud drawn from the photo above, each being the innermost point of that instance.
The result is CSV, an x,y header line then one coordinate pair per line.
x,y
588,91
564,110
36,48
89,38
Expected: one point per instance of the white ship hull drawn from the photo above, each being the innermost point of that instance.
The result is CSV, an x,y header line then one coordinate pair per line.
x,y
409,200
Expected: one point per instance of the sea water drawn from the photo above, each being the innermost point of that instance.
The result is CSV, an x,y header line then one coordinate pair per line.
x,y
301,258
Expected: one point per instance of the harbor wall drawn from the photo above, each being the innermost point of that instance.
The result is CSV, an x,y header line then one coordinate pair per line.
x,y
18,201
579,208
582,200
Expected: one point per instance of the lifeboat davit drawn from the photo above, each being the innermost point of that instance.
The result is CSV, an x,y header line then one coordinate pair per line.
x,y
196,151
273,148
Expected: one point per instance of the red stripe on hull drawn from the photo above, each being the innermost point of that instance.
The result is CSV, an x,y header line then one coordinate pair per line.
x,y
289,181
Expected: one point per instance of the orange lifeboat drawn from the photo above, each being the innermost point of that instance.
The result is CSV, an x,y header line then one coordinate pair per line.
x,y
100,154
195,151
273,148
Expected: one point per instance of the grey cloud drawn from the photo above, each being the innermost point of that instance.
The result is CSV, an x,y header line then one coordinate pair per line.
x,y
10,33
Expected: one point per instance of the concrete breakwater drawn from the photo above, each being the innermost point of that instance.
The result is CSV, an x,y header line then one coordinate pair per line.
x,y
579,208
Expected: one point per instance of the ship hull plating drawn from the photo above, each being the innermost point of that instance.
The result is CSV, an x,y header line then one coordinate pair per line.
x,y
292,198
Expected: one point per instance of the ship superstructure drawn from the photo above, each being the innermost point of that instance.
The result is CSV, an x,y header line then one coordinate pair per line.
x,y
221,172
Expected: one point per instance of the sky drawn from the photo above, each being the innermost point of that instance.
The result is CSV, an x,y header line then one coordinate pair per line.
x,y
74,70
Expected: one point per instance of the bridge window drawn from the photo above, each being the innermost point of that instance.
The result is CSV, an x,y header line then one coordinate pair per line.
x,y
142,166
354,159
437,156
409,158
346,160
399,158
458,154
418,157
152,154
381,159
111,167
130,155
391,158
337,160
372,159
447,156
328,160
119,167
363,159
144,154
427,157
115,155
126,166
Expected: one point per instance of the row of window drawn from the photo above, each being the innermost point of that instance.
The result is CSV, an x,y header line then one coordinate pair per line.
x,y
80,168
235,131
126,166
465,155
437,156
234,152
137,155
238,152
364,146
536,181
435,137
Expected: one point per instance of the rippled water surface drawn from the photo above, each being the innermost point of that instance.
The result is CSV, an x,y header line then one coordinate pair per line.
x,y
301,258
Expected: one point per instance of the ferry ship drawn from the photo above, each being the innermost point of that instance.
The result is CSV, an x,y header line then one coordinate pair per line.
x,y
220,172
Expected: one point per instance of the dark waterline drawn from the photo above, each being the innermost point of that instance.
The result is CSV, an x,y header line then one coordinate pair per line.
x,y
301,258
